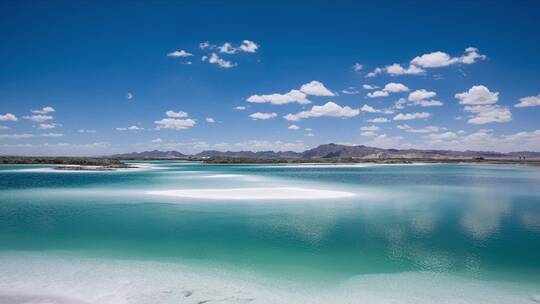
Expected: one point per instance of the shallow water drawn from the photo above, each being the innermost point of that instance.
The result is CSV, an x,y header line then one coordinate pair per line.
x,y
470,233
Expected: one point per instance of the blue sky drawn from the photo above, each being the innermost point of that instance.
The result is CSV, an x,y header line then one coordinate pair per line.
x,y
112,71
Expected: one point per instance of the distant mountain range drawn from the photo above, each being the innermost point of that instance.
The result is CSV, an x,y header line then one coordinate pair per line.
x,y
336,151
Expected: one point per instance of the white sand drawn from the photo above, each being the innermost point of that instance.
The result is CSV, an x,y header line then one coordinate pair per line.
x,y
45,279
277,193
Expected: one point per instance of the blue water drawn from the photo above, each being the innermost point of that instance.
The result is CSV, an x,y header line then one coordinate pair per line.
x,y
468,224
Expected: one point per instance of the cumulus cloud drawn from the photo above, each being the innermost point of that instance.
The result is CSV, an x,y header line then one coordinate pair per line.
x,y
44,110
209,120
8,117
262,116
442,59
368,133
179,114
45,126
240,108
369,109
52,135
436,59
369,87
15,136
86,131
4,127
173,123
377,94
157,140
249,46
385,141
369,128
350,91
293,127
477,95
411,116
227,48
428,129
421,95
129,96
481,102
328,109
378,120
393,87
441,136
130,128
38,118
180,53
428,103
357,67
316,88
278,99
530,101
222,63
484,114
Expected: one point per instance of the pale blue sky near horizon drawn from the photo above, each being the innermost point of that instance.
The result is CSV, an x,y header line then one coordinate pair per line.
x,y
101,76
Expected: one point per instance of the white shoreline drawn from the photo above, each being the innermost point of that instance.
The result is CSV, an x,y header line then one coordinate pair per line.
x,y
270,193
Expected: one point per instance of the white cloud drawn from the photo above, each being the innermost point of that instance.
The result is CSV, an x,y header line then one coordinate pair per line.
x,y
15,136
316,88
377,94
421,95
396,69
411,116
227,48
4,127
328,109
293,127
428,103
179,114
38,118
129,96
130,128
441,136
484,114
357,67
249,46
240,108
369,87
309,134
262,116
8,117
431,60
394,87
369,109
52,135
385,141
180,53
206,45
530,101
369,128
157,140
45,110
173,123
378,120
209,120
308,129
215,59
428,129
477,95
350,91
279,99
86,131
368,133
45,126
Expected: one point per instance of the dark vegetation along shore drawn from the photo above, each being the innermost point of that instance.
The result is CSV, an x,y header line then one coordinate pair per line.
x,y
323,154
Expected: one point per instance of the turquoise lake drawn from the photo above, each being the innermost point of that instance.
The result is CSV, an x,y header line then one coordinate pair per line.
x,y
180,232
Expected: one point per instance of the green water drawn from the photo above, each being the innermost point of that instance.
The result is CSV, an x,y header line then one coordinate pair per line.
x,y
478,222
